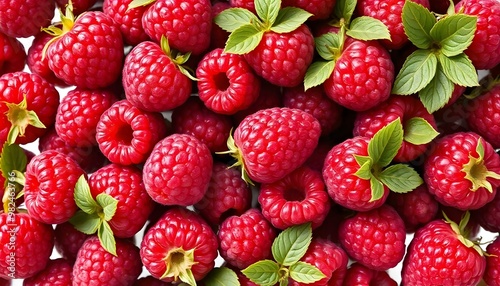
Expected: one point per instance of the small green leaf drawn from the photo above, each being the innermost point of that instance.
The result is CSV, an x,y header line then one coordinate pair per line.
x,y
418,131
291,244
108,204
264,272
454,33
12,158
459,70
233,18
86,223
187,277
418,22
289,19
317,73
417,71
400,178
139,3
365,170
243,40
221,276
303,272
377,189
367,28
385,143
106,237
267,10
83,197
326,44
345,9
438,92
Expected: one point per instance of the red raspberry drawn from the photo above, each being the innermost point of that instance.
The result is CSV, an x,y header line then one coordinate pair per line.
x,y
482,113
362,77
374,238
181,244
317,158
58,272
357,274
32,246
123,183
12,54
271,143
68,240
39,64
152,79
246,239
405,108
484,51
186,23
320,9
343,186
196,119
126,135
247,4
227,195
458,176
22,19
178,170
298,198
270,96
218,36
49,189
129,20
226,83
150,281
41,98
488,216
492,274
471,229
283,59
315,102
79,6
95,265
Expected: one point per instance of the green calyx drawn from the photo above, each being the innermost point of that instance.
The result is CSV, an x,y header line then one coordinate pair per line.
x,y
20,117
177,58
57,30
234,151
462,233
178,264
476,171
139,3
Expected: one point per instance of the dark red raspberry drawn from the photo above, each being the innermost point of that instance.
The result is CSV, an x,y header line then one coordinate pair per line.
x,y
24,19
96,265
227,195
470,230
247,4
178,170
317,158
58,272
298,198
246,239
488,216
49,189
181,244
196,119
492,274
79,6
126,135
218,36
129,20
482,114
27,245
357,274
150,281
321,9
440,6
12,54
226,83
270,96
68,241
39,64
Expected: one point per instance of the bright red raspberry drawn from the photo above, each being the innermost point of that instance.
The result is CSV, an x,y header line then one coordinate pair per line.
x,y
482,114
22,19
152,79
270,96
12,54
79,6
58,272
320,9
314,101
246,239
283,59
226,83
362,77
458,176
227,195
181,244
195,119
271,143
49,188
488,216
68,240
297,198
343,186
358,274
492,274
126,135
96,265
32,246
129,20
39,64
186,23
178,170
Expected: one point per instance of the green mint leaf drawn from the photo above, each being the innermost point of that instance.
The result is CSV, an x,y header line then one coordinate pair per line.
x,y
291,244
317,73
12,158
233,18
221,276
326,44
400,178
418,131
459,69
418,22
377,189
438,92
264,272
454,33
367,28
83,197
267,10
303,272
417,71
243,40
345,9
385,143
289,19
365,170
108,204
86,223
106,237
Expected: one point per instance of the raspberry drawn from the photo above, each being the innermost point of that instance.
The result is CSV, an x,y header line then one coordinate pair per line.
x,y
129,20
492,273
95,265
298,198
320,9
68,240
357,274
270,96
150,281
488,216
482,113
24,19
247,4
79,6
218,36
58,272
39,64
12,54
246,239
